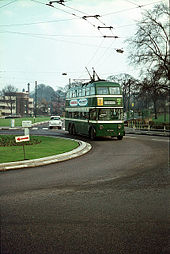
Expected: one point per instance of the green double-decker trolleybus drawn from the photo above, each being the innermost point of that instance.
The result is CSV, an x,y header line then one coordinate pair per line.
x,y
95,109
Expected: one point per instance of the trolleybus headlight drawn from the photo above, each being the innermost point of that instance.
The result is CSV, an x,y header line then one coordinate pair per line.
x,y
119,126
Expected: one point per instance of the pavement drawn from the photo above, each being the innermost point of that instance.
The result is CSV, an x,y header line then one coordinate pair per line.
x,y
150,132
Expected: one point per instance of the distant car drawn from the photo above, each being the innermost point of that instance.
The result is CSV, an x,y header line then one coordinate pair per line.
x,y
55,122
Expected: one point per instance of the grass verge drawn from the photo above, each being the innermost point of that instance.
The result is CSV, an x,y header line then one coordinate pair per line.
x,y
18,121
48,146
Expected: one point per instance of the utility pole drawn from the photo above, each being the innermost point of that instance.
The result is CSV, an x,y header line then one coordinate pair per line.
x,y
35,104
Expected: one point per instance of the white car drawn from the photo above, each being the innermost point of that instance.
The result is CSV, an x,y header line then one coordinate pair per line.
x,y
55,122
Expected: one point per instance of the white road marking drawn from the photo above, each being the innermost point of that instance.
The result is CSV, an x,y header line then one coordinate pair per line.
x,y
154,139
129,137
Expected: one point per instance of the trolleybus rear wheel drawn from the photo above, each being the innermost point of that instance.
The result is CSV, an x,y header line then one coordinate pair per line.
x,y
70,129
73,130
92,134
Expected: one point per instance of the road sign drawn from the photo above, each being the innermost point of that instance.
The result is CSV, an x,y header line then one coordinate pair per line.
x,y
26,124
22,138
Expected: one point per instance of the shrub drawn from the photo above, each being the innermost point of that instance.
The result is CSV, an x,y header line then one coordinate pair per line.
x,y
9,140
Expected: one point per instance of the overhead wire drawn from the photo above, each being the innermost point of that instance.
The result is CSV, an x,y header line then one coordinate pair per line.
x,y
49,35
104,53
49,38
76,17
82,12
7,4
73,14
38,22
128,9
95,53
132,3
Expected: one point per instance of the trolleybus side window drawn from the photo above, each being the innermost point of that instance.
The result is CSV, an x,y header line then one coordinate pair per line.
x,y
93,114
83,92
102,90
71,94
79,92
92,90
87,90
85,115
70,114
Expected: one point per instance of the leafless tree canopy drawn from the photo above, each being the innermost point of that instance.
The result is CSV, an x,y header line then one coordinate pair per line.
x,y
149,48
7,93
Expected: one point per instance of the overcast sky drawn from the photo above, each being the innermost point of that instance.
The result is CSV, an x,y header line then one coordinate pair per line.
x,y
40,43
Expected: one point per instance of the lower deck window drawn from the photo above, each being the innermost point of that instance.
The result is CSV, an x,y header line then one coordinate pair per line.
x,y
101,114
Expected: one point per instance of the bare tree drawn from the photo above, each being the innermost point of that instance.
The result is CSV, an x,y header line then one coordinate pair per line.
x,y
8,94
151,85
128,85
148,48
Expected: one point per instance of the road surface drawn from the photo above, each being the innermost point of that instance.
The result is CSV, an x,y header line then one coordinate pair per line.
x,y
112,200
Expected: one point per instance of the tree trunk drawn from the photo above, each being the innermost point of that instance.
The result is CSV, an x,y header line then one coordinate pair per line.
x,y
155,108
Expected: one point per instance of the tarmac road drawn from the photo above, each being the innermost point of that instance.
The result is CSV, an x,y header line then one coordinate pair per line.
x,y
114,200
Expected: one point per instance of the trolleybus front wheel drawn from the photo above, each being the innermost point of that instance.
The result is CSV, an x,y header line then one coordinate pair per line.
x,y
119,137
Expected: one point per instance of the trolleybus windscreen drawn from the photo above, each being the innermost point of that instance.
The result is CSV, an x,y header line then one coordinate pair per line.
x,y
110,114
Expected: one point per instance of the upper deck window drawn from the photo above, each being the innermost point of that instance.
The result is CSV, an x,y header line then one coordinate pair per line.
x,y
79,92
67,95
87,90
92,90
83,92
114,90
74,93
71,94
102,90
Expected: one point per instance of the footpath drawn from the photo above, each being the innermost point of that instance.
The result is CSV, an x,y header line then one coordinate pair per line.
x,y
163,133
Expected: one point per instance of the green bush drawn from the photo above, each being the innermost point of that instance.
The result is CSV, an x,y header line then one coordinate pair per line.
x,y
9,140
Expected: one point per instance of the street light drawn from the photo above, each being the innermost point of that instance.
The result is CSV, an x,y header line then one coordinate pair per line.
x,y
65,74
119,51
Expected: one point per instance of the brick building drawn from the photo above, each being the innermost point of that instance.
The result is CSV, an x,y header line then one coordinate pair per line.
x,y
17,104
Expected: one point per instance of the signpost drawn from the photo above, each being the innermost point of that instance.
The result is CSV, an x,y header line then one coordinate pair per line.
x,y
26,125
22,139
12,123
